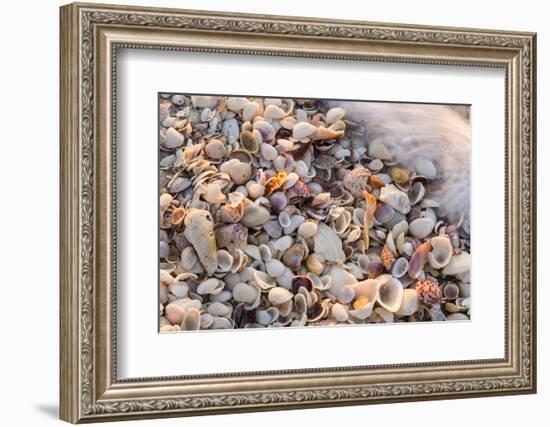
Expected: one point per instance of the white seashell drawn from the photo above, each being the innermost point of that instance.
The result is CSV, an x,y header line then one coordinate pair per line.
x,y
230,129
223,296
288,122
172,138
206,320
265,317
240,172
199,231
401,227
441,253
394,197
385,315
165,201
266,130
204,101
346,294
377,150
285,279
278,296
303,130
174,313
274,268
328,244
295,222
409,304
251,110
273,229
215,149
245,293
188,258
421,227
269,152
263,280
400,267
225,261
282,244
255,190
425,167
340,278
308,229
210,286
457,316
335,114
236,104
284,219
291,179
390,295
376,165
221,323
274,112
265,252
218,309
458,264
254,215
179,289
340,313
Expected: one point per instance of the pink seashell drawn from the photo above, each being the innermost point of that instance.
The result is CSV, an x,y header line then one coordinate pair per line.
x,y
419,259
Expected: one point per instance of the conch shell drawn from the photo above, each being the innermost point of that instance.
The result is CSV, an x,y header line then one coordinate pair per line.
x,y
199,231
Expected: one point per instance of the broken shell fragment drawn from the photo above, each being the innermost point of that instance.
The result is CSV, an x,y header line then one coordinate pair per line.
x,y
199,231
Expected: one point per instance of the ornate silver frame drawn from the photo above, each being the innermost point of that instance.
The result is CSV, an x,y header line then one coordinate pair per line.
x,y
90,36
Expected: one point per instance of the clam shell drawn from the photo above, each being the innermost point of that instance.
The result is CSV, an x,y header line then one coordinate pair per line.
x,y
458,264
236,104
400,267
421,227
254,215
340,278
251,110
278,296
339,313
346,294
172,138
274,112
191,320
303,130
274,268
335,114
441,253
215,149
394,197
210,286
409,304
390,295
266,130
377,150
245,293
425,167
263,280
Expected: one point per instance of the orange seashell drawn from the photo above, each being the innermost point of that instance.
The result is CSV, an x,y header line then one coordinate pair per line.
x,y
275,182
376,181
177,216
387,257
360,302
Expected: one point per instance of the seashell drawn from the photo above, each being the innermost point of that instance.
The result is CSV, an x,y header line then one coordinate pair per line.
x,y
387,257
425,167
400,267
321,200
273,229
206,320
218,309
301,282
253,251
164,249
314,265
230,129
177,216
279,296
303,130
362,308
225,261
263,280
370,209
282,244
249,142
294,256
254,215
245,293
236,104
417,193
172,138
377,150
340,278
418,259
215,149
421,227
383,213
210,286
179,184
278,201
268,152
451,291
204,101
373,268
230,213
342,222
275,182
240,173
199,231
376,182
191,320
232,236
328,244
458,264
251,110
323,133
376,165
284,219
428,292
174,313
441,253
222,323
308,229
255,190
295,222
409,304
384,315
165,201
316,312
274,268
266,130
223,296
400,176
335,114
390,295
346,294
339,312
274,112
213,194
268,316
458,316
188,258
395,198
240,261
357,181
401,227
178,100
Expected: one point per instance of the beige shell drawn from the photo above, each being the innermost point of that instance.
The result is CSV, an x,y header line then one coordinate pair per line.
x,y
199,231
303,130
409,304
328,244
278,296
215,149
441,253
254,215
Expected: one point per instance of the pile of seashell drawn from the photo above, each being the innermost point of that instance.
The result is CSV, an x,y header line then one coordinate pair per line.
x,y
279,212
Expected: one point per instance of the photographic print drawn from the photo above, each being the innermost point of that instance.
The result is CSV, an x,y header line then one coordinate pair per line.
x,y
288,212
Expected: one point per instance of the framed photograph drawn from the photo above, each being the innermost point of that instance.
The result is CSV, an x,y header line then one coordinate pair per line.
x,y
269,212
